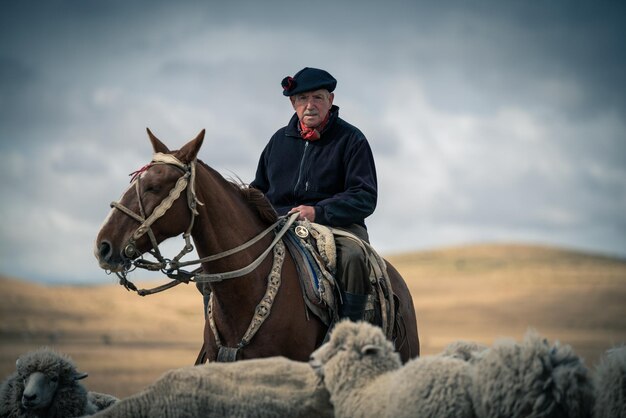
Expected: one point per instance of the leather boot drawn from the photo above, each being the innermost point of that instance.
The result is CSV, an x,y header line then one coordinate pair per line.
x,y
353,306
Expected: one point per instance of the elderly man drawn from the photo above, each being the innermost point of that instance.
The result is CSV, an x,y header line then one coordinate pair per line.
x,y
322,167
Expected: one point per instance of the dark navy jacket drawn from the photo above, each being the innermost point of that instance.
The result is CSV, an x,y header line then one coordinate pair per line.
x,y
335,174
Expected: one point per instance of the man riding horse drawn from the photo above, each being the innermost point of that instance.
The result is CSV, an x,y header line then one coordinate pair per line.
x,y
318,167
322,167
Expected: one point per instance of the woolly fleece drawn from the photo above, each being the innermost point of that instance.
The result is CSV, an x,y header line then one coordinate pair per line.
x,y
259,388
463,350
70,399
530,379
364,376
610,385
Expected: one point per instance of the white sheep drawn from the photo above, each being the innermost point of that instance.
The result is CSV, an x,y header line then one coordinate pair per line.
x,y
463,350
365,378
45,384
263,388
530,379
610,385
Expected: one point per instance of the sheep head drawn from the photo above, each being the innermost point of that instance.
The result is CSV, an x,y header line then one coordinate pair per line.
x,y
354,354
39,389
42,373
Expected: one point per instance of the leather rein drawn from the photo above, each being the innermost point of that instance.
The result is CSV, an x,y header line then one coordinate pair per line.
x,y
172,268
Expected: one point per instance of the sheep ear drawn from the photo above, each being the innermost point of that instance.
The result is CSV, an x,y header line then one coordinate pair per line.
x,y
370,350
17,363
80,376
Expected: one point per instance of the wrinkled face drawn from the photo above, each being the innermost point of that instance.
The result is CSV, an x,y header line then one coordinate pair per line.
x,y
39,389
312,106
153,186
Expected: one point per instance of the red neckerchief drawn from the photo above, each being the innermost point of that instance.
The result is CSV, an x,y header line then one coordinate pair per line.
x,y
313,134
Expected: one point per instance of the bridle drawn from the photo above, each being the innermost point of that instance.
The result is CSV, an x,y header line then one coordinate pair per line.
x,y
173,267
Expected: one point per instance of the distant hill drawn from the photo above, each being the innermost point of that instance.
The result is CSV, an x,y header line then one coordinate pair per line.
x,y
478,292
89,313
510,261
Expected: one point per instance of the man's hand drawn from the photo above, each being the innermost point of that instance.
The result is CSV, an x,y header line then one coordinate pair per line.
x,y
306,212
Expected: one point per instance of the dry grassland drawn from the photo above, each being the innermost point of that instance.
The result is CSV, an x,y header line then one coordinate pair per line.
x,y
477,293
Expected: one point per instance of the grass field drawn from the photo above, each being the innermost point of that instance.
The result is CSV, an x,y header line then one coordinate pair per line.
x,y
478,293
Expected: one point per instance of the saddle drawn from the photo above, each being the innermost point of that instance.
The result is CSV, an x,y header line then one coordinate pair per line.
x,y
312,246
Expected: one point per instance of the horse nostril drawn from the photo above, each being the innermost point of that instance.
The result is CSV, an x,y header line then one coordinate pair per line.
x,y
105,250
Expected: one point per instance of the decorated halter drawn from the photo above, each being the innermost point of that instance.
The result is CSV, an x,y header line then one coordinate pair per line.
x,y
185,182
173,267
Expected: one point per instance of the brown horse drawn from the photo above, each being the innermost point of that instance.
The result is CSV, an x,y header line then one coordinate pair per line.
x,y
220,215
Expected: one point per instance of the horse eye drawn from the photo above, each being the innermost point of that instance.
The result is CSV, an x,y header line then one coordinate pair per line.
x,y
54,379
153,188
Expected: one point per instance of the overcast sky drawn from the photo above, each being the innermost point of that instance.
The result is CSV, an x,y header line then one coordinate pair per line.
x,y
490,121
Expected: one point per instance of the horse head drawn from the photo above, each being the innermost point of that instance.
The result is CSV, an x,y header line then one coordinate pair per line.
x,y
158,204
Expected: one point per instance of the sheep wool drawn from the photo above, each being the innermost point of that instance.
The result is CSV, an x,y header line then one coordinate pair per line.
x,y
64,398
610,385
258,388
463,350
530,379
364,376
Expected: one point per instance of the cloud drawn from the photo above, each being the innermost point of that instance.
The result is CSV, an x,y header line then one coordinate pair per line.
x,y
489,120
467,177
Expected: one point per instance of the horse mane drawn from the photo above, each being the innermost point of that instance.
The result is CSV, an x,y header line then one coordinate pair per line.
x,y
255,199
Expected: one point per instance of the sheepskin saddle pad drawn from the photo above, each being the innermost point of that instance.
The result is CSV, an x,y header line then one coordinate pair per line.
x,y
312,247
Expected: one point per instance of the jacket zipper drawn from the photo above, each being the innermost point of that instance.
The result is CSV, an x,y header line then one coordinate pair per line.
x,y
306,146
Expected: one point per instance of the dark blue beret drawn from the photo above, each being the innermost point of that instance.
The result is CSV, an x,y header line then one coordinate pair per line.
x,y
308,79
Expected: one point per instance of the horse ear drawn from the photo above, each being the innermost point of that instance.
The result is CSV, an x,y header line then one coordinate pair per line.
x,y
189,151
157,145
